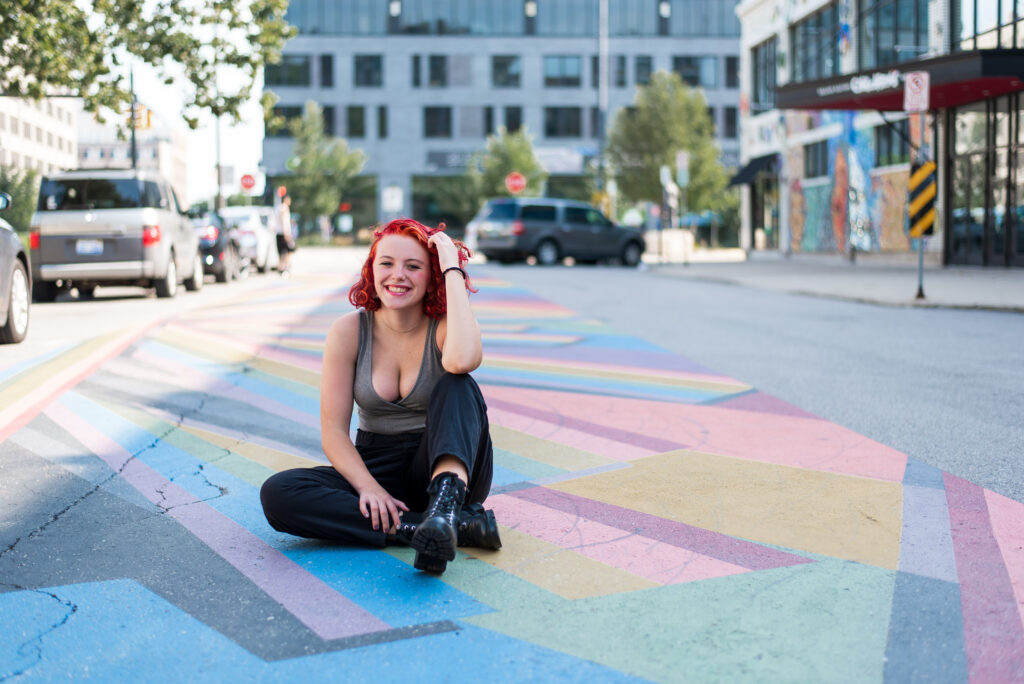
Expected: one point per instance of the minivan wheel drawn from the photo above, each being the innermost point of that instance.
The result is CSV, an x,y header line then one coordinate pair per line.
x,y
631,254
168,285
195,283
547,253
16,325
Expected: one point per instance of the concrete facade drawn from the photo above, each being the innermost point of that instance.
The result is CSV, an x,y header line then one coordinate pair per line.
x,y
39,135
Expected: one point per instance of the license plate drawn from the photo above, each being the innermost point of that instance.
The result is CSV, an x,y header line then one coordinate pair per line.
x,y
89,247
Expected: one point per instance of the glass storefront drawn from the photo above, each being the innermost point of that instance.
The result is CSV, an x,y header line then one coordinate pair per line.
x,y
986,183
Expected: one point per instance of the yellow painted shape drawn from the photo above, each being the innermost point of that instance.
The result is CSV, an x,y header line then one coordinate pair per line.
x,y
644,377
270,458
835,515
543,451
922,172
926,196
23,383
229,355
925,222
557,570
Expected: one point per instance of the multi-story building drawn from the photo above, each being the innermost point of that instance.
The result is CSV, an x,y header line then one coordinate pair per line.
x,y
418,85
39,135
159,146
828,146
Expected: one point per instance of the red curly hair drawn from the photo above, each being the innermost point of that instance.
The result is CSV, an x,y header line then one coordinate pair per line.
x,y
364,295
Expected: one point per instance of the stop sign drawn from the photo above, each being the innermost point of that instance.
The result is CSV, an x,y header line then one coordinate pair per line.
x,y
515,182
247,181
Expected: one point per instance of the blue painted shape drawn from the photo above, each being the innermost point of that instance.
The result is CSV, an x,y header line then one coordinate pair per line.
x,y
605,386
920,474
385,586
926,541
506,476
926,637
121,631
8,373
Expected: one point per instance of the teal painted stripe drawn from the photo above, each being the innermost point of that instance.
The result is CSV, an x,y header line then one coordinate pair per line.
x,y
525,466
600,386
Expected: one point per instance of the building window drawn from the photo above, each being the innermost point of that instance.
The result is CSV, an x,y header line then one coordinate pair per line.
x,y
356,116
732,72
382,122
505,71
488,120
326,71
698,72
562,71
563,122
289,114
816,159
815,45
437,122
486,17
369,71
642,67
892,143
620,71
330,127
292,70
513,119
572,18
730,131
437,67
763,74
417,71
886,24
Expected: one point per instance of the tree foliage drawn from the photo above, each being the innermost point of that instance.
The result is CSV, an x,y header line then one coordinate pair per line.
x,y
23,187
79,48
667,117
507,152
322,166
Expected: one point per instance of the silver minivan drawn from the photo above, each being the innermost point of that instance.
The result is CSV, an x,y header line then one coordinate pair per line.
x,y
98,227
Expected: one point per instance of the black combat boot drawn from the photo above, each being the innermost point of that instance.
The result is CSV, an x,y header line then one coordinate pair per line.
x,y
478,528
437,535
402,535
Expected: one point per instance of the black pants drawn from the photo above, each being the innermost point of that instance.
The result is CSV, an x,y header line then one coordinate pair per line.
x,y
319,503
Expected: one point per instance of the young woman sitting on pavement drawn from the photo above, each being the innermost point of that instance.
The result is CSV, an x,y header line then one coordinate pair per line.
x,y
423,442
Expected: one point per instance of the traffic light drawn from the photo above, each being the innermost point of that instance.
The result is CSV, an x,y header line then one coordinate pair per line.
x,y
282,191
345,207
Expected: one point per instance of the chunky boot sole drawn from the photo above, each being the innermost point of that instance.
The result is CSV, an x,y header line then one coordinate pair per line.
x,y
435,537
430,564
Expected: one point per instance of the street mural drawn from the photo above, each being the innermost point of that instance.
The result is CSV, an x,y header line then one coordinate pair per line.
x,y
660,521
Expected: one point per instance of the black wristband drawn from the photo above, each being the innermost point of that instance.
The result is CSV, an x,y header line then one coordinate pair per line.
x,y
453,268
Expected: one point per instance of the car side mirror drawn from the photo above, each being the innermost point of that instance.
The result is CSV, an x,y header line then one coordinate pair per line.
x,y
5,200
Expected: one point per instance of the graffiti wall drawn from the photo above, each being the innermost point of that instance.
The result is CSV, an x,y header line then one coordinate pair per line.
x,y
856,206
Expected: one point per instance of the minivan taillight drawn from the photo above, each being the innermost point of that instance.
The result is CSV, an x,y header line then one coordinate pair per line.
x,y
210,234
33,240
518,227
150,235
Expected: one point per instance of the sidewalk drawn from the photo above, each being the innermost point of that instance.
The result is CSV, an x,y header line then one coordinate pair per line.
x,y
866,280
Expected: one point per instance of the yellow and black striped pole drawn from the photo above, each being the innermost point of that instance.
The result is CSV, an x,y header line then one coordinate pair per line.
x,y
922,199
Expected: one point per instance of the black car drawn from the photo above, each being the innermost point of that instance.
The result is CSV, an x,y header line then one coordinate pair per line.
x,y
15,281
513,228
219,245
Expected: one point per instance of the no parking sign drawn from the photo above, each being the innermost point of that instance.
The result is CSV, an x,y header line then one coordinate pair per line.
x,y
915,91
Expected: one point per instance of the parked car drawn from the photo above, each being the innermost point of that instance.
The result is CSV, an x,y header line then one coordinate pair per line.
x,y
222,254
255,235
512,229
15,281
99,227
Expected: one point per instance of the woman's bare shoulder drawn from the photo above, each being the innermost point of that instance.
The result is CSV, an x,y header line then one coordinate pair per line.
x,y
344,332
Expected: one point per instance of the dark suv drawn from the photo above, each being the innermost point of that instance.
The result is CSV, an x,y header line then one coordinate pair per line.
x,y
512,229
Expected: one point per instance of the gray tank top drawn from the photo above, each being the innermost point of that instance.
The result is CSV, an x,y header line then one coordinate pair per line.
x,y
409,413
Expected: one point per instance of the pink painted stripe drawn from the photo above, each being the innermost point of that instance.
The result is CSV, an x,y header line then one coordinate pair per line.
x,y
711,544
993,635
659,373
1007,518
556,417
18,415
578,439
263,351
326,612
765,403
627,550
195,378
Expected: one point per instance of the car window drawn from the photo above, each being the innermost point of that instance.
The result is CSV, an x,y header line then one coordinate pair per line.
x,y
89,193
538,212
496,211
175,204
152,196
575,215
596,218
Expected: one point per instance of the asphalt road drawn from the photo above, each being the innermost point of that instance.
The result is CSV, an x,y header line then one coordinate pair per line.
x,y
943,386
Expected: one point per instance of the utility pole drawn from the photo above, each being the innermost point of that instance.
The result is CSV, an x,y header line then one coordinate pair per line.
x,y
219,201
131,117
602,90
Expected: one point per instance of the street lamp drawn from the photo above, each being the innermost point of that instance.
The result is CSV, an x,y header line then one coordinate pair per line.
x,y
602,89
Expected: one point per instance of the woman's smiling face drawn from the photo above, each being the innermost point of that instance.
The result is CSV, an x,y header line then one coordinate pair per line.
x,y
401,271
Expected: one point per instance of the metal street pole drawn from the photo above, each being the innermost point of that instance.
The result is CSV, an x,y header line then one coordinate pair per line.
x,y
922,157
602,90
131,86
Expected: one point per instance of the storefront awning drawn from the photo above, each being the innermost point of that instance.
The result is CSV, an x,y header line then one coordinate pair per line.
x,y
956,79
750,170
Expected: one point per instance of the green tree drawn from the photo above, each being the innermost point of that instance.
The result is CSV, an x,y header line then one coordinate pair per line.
x,y
506,152
79,47
667,117
322,166
458,196
23,187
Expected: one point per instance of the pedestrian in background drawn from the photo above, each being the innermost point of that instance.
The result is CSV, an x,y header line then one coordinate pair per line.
x,y
420,467
285,235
